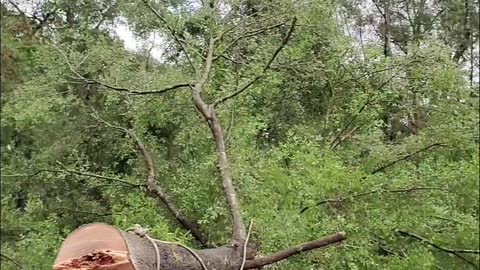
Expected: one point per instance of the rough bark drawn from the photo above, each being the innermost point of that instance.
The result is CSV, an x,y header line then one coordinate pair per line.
x,y
100,246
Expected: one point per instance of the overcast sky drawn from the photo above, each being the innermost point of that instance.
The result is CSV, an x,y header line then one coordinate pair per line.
x,y
121,29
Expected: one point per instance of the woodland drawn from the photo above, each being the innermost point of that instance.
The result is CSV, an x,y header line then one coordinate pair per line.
x,y
243,134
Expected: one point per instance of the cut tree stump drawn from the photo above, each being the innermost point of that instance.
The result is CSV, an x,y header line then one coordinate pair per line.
x,y
100,246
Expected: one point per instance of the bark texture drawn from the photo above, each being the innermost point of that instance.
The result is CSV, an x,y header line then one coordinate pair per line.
x,y
100,246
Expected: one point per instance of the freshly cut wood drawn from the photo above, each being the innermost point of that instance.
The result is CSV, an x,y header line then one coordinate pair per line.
x,y
100,246
94,246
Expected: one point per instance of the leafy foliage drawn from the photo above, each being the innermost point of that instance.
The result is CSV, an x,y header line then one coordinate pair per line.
x,y
310,134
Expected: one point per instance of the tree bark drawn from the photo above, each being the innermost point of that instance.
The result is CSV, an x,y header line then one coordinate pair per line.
x,y
100,246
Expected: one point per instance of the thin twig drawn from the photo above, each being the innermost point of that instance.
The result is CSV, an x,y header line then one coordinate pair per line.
x,y
455,252
172,32
265,69
112,87
382,168
77,173
137,92
367,102
251,34
380,190
245,245
82,212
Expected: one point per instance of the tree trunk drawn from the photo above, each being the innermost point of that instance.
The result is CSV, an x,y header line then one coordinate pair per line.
x,y
100,246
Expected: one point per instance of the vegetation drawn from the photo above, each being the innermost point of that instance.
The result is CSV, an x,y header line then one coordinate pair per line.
x,y
353,116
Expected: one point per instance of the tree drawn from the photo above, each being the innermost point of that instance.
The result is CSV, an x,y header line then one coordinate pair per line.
x,y
229,256
292,127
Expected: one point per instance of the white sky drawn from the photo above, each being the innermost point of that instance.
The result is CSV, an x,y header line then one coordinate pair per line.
x,y
133,43
121,28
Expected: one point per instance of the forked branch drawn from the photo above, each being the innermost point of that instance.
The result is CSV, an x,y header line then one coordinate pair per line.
x,y
284,254
265,69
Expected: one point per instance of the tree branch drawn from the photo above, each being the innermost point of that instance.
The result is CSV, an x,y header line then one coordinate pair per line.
x,y
12,260
166,199
284,254
77,173
137,92
249,34
116,88
336,141
379,190
208,112
82,212
172,32
263,72
467,33
455,252
382,168
153,186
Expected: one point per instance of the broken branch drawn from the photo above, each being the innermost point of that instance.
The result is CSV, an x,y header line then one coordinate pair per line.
x,y
166,199
284,254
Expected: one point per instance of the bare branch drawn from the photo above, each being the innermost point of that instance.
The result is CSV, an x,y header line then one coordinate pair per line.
x,y
251,33
344,137
88,174
380,190
208,64
137,92
166,199
284,254
382,168
232,28
263,72
116,88
455,252
19,10
104,15
244,260
172,32
466,34
208,112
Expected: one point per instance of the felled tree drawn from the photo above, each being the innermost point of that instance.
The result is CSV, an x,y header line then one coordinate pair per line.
x,y
105,247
